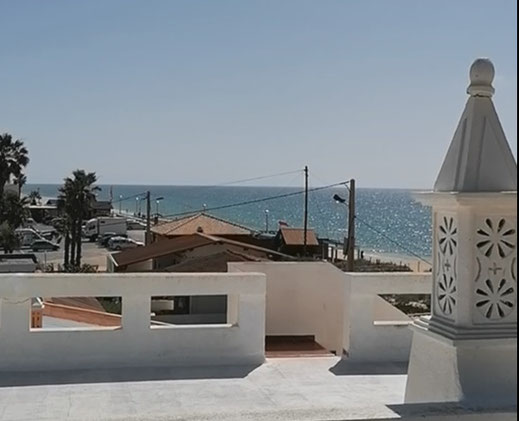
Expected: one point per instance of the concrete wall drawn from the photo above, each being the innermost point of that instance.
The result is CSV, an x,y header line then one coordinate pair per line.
x,y
240,341
342,310
303,298
375,331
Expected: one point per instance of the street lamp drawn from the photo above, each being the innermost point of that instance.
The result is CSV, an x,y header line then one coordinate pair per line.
x,y
120,204
137,211
266,220
157,201
350,204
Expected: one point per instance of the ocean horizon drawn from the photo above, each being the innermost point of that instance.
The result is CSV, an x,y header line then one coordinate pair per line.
x,y
389,221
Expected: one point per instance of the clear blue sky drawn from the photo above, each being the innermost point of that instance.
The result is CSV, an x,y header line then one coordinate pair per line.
x,y
205,91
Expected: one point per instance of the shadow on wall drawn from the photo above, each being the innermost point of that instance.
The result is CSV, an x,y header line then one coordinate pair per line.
x,y
10,379
348,368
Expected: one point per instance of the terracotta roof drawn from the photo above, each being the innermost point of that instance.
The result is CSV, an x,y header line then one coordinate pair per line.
x,y
89,303
213,263
159,248
179,244
295,237
201,222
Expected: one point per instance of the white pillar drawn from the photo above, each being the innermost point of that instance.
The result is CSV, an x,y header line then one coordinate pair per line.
x,y
466,351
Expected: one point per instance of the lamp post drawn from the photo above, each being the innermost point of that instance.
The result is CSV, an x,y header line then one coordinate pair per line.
x,y
136,206
266,220
120,204
157,201
351,224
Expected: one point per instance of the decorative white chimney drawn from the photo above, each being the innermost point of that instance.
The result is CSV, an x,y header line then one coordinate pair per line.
x,y
467,350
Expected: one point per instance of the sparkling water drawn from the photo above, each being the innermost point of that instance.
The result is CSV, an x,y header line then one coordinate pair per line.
x,y
398,225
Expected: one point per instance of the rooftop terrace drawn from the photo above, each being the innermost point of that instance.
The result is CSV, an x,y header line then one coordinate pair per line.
x,y
281,389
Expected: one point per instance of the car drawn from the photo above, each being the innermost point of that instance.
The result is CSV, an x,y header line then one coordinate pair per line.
x,y
38,245
103,239
121,243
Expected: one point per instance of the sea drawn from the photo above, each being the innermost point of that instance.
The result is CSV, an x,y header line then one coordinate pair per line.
x,y
389,221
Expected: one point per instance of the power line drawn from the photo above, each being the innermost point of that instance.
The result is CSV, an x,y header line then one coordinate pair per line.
x,y
263,199
263,177
382,234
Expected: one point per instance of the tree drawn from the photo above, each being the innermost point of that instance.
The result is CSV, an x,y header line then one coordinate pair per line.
x,y
20,181
13,159
13,209
9,241
35,197
75,198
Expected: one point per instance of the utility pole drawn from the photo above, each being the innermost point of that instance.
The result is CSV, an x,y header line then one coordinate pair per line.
x,y
305,229
351,228
148,218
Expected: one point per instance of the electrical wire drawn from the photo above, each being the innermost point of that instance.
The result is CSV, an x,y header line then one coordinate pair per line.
x,y
263,177
382,234
263,199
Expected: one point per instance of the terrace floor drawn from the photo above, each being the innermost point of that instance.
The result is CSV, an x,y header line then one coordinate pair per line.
x,y
282,389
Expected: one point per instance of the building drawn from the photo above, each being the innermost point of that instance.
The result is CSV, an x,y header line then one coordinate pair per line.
x,y
202,223
209,253
292,241
191,253
100,208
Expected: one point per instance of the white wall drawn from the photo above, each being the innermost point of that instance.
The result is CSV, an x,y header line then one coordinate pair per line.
x,y
342,310
303,298
135,343
375,331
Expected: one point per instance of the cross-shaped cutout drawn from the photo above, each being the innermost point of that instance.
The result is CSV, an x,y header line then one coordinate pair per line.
x,y
447,265
495,269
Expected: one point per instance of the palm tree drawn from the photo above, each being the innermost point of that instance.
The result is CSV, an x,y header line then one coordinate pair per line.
x,y
76,196
20,181
14,209
9,241
13,159
35,197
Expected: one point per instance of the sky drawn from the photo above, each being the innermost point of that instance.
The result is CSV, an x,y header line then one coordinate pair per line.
x,y
205,92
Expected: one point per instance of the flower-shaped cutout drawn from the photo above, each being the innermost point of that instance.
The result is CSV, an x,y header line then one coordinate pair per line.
x,y
495,299
448,236
496,238
446,293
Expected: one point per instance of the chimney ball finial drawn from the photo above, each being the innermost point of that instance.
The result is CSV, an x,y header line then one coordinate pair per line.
x,y
481,77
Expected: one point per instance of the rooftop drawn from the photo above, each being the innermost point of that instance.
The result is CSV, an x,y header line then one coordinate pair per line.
x,y
282,389
201,222
296,237
179,244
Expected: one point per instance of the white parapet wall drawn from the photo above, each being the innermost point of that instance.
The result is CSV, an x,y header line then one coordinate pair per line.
x,y
136,343
343,311
376,331
303,298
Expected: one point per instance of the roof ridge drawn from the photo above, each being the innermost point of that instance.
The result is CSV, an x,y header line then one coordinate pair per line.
x,y
227,221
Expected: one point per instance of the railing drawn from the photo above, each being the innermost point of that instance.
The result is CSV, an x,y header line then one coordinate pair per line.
x,y
136,342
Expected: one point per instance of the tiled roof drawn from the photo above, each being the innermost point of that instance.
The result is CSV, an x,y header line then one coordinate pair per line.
x,y
213,263
198,223
296,236
179,244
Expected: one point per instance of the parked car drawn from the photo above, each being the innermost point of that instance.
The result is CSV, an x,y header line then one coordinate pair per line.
x,y
121,243
38,245
103,239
